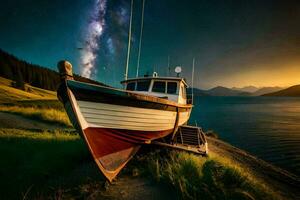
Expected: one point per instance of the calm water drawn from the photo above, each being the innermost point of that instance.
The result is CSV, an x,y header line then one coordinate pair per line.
x,y
267,127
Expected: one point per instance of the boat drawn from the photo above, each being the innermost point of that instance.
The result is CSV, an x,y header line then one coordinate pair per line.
x,y
116,122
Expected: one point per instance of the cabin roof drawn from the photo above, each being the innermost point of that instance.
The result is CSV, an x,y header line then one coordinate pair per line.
x,y
156,78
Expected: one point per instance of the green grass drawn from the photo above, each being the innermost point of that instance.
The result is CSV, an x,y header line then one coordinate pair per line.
x,y
35,103
39,103
38,164
57,165
195,177
9,93
50,115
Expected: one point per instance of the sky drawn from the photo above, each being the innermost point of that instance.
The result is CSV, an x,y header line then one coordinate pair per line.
x,y
235,43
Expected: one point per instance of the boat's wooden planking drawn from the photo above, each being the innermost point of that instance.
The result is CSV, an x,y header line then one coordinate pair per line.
x,y
131,118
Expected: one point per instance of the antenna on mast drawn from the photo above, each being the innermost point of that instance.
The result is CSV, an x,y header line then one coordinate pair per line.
x,y
193,80
129,42
140,43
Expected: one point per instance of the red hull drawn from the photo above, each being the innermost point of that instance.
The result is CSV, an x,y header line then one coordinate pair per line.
x,y
113,148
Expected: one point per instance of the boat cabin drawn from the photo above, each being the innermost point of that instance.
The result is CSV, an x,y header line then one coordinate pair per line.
x,y
171,88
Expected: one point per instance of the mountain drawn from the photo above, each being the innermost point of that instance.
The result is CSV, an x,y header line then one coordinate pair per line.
x,y
249,89
217,91
293,91
223,91
266,90
197,92
22,72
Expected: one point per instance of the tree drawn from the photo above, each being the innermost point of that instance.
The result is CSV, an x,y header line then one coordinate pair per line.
x,y
20,84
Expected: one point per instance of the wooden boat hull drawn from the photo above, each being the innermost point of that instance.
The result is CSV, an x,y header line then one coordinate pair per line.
x,y
115,123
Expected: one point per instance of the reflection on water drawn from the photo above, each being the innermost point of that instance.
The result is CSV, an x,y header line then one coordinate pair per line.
x,y
268,127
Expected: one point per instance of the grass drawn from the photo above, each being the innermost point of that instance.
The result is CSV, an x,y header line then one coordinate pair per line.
x,y
36,103
9,93
195,177
39,103
211,133
37,164
57,165
50,115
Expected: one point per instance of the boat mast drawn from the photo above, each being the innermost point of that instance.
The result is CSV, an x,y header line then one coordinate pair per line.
x,y
193,80
169,69
129,42
140,42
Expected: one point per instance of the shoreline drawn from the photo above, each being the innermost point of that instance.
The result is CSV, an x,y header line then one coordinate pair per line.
x,y
282,181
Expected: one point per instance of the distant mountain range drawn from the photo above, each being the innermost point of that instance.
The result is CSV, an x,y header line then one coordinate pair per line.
x,y
245,91
293,91
266,90
223,91
218,91
250,89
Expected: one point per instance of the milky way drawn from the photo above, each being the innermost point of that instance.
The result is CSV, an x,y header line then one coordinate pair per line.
x,y
92,38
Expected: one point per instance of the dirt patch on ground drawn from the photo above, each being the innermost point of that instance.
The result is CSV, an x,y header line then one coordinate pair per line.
x,y
285,183
134,188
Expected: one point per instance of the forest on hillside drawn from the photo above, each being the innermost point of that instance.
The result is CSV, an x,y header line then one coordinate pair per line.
x,y
22,72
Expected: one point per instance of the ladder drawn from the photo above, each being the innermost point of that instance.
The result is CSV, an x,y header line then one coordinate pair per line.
x,y
187,138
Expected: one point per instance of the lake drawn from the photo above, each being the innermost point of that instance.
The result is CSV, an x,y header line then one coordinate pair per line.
x,y
268,127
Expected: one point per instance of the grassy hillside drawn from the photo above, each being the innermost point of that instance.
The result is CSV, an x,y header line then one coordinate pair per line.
x,y
34,103
196,177
14,68
9,93
293,91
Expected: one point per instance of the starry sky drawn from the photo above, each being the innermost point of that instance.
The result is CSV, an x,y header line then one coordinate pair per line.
x,y
235,43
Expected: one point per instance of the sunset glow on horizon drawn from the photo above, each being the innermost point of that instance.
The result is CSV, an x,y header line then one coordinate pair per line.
x,y
286,76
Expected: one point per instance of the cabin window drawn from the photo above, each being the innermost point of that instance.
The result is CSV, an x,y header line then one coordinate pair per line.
x,y
143,85
171,87
130,86
159,86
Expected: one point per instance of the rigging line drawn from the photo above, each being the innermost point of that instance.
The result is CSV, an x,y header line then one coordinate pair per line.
x,y
193,80
129,42
169,70
140,42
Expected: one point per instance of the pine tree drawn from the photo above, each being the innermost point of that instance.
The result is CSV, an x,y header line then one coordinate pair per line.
x,y
20,84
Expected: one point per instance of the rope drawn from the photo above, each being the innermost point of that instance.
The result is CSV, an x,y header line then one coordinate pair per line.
x,y
140,42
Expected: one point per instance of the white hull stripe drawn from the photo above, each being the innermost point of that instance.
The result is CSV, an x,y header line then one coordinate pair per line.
x,y
130,118
127,114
